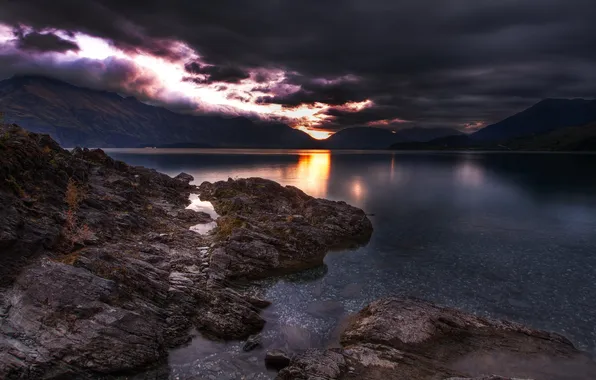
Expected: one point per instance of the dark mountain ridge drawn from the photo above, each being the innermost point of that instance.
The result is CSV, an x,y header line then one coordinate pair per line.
x,y
379,138
80,116
544,116
77,116
550,125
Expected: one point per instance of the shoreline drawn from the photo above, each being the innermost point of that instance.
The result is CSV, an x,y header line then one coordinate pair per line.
x,y
171,284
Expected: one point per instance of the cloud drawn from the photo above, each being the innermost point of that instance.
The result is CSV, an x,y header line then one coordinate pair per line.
x,y
313,91
431,62
207,74
43,42
111,74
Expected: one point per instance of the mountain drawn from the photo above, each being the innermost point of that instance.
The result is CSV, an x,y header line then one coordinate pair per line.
x,y
76,116
378,138
444,143
545,116
552,124
582,138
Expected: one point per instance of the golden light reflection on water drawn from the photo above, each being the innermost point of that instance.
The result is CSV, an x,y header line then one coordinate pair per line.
x,y
358,189
312,172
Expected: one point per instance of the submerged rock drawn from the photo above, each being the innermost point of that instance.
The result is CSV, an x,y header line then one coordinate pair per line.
x,y
408,339
253,342
100,273
277,359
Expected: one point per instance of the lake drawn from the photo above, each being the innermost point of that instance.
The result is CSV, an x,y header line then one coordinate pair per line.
x,y
507,235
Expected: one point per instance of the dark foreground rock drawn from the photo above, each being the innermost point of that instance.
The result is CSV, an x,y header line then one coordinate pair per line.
x,y
407,339
100,274
266,228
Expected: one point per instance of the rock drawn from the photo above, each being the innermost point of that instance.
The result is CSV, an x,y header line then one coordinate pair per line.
x,y
99,270
258,302
253,342
277,359
193,217
224,314
313,365
267,228
409,339
185,177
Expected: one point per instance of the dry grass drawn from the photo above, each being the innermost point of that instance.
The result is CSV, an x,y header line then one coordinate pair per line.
x,y
74,195
74,232
69,259
46,150
227,224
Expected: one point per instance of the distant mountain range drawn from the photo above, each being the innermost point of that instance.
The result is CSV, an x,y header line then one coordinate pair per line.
x,y
77,116
550,125
378,138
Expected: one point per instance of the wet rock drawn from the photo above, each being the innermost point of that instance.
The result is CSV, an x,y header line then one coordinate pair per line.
x,y
225,314
408,339
315,364
258,302
253,342
277,359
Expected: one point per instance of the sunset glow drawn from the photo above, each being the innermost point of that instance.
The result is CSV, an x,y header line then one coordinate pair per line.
x,y
166,81
382,123
312,172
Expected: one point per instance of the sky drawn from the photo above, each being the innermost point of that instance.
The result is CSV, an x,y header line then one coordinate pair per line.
x,y
319,66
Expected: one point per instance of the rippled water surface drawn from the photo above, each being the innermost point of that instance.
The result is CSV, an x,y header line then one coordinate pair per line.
x,y
503,235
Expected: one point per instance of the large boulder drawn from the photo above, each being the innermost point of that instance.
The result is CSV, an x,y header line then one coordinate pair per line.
x,y
268,228
409,339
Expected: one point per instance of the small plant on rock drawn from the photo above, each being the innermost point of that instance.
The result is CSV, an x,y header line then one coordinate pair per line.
x,y
73,231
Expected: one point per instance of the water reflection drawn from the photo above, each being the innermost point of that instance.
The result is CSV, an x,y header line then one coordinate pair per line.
x,y
469,173
312,172
357,188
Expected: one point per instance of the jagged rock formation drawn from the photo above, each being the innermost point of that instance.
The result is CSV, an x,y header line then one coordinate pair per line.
x,y
266,228
408,339
101,274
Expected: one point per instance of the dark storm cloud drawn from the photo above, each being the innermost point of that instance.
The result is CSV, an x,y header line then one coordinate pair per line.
x,y
311,92
212,74
43,42
432,62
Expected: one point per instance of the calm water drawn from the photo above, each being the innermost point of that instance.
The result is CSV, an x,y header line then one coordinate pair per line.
x,y
503,235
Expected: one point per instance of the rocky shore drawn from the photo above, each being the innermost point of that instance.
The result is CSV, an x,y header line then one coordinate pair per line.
x,y
409,339
101,274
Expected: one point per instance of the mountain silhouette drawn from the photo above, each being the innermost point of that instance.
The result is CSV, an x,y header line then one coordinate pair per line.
x,y
77,116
